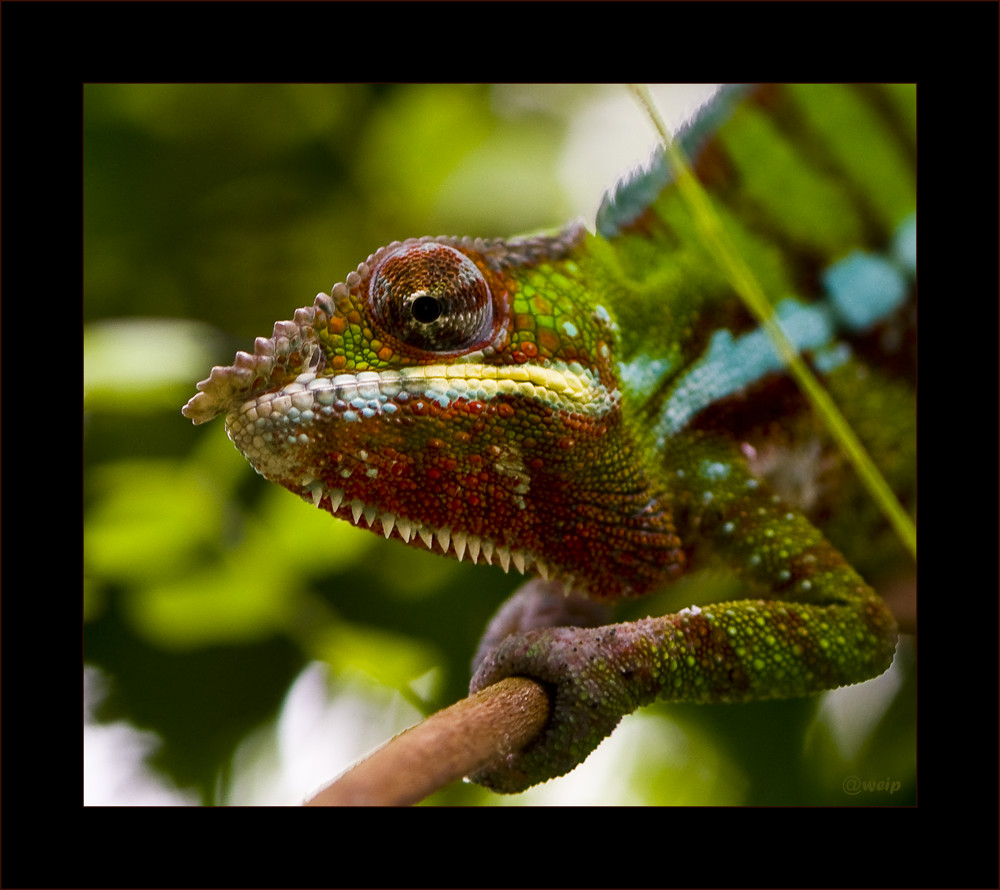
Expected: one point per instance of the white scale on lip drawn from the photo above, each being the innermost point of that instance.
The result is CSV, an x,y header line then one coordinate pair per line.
x,y
261,427
458,543
367,393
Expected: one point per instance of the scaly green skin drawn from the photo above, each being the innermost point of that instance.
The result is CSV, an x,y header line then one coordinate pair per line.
x,y
601,411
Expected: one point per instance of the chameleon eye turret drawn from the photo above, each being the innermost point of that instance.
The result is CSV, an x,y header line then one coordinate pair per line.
x,y
432,297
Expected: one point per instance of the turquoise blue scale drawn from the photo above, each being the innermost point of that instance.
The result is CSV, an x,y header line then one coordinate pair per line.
x,y
861,290
838,192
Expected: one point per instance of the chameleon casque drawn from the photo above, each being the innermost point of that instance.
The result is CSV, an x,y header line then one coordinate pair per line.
x,y
601,412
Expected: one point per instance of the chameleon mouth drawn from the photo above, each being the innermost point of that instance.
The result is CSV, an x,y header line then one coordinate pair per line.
x,y
445,540
276,429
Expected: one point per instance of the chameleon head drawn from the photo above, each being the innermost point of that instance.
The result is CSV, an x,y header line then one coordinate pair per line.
x,y
460,395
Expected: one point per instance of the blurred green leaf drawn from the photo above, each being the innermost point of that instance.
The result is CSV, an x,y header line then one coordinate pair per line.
x,y
147,519
142,365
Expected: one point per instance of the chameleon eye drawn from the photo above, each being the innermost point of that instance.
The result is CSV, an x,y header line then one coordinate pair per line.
x,y
433,297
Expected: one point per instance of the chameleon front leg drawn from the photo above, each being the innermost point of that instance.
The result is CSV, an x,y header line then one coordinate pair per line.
x,y
809,623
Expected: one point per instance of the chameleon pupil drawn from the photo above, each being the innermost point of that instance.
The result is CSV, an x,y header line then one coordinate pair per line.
x,y
431,297
426,309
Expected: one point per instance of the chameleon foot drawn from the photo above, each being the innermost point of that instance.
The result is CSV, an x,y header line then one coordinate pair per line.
x,y
595,675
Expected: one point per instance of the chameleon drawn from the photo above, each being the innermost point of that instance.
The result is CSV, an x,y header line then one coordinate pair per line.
x,y
598,411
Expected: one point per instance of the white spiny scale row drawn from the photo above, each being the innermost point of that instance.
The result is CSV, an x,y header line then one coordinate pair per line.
x,y
459,544
226,387
365,394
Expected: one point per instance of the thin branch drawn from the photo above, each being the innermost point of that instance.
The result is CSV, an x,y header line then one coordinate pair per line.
x,y
445,747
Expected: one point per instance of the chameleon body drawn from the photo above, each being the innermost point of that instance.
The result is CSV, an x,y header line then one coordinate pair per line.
x,y
599,410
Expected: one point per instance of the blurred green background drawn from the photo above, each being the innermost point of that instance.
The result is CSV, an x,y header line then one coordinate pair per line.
x,y
243,647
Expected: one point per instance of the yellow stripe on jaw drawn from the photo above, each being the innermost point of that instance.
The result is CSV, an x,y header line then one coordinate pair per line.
x,y
355,397
571,382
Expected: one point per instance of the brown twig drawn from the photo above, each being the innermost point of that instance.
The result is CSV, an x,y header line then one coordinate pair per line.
x,y
443,748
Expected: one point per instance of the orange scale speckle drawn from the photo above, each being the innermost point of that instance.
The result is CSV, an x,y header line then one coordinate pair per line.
x,y
548,341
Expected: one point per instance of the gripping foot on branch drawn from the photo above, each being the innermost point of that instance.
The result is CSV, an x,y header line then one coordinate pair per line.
x,y
594,675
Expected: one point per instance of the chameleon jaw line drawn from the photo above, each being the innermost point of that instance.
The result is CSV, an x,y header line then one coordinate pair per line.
x,y
449,541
